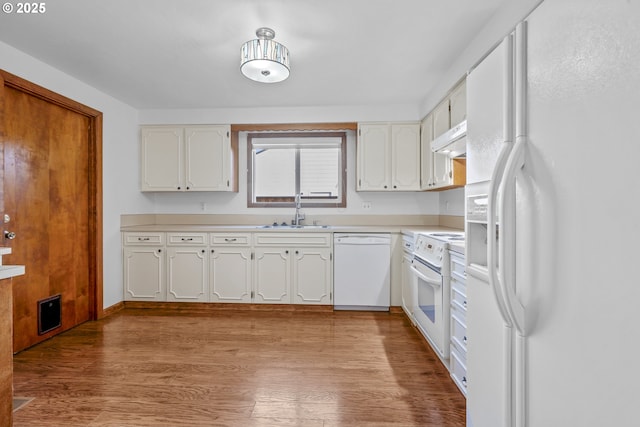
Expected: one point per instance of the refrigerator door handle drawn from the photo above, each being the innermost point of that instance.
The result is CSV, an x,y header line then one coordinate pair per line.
x,y
507,243
496,181
492,250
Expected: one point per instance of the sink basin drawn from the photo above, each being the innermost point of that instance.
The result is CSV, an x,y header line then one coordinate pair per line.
x,y
295,226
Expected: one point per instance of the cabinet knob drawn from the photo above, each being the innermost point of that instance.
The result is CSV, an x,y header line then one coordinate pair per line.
x,y
187,188
212,251
395,186
286,252
297,252
203,251
178,188
385,186
9,235
159,250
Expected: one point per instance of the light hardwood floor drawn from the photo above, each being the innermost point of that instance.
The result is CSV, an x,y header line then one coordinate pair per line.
x,y
237,368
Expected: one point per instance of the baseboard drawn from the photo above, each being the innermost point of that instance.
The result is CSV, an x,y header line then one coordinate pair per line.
x,y
203,307
113,309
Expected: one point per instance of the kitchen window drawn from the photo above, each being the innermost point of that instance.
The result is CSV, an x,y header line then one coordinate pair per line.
x,y
283,164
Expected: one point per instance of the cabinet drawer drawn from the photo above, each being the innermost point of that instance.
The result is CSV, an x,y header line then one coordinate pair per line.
x,y
458,296
458,372
458,331
186,239
457,265
143,239
293,239
230,239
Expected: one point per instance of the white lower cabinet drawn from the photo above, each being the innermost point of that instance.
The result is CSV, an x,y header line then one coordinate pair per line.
x,y
230,268
143,267
458,325
293,268
293,275
230,274
187,274
312,273
272,276
265,268
187,267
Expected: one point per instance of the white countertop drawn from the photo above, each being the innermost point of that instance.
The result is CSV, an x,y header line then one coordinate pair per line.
x,y
207,228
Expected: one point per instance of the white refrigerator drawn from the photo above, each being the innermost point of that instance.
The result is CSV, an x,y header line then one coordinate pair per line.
x,y
553,234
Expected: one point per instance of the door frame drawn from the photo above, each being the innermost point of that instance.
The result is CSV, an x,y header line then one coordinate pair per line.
x,y
95,243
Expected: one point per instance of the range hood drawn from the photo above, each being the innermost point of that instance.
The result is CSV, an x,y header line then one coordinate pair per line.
x,y
453,142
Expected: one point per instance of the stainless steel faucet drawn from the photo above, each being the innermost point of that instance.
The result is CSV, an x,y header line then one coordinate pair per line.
x,y
299,216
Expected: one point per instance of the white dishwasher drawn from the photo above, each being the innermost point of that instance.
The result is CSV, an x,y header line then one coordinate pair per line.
x,y
362,271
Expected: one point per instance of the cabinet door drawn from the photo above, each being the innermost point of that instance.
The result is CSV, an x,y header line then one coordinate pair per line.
x,y
441,119
458,104
405,157
161,159
373,151
272,276
409,290
426,155
143,273
442,172
312,282
187,274
207,158
230,274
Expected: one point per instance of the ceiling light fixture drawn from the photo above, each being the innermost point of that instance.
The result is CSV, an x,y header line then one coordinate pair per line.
x,y
263,59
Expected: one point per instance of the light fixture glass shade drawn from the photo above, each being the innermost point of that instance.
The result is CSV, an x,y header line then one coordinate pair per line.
x,y
264,60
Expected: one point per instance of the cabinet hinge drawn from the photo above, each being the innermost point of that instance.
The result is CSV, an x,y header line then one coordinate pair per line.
x,y
227,134
227,183
251,294
450,174
331,257
252,255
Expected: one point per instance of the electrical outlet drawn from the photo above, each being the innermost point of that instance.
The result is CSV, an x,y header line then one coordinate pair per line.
x,y
366,205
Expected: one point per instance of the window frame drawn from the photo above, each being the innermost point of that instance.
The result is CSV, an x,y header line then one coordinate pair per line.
x,y
278,202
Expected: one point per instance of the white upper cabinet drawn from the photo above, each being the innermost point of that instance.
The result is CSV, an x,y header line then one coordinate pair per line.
x,y
441,118
374,168
186,158
388,157
458,104
208,158
451,111
438,171
435,168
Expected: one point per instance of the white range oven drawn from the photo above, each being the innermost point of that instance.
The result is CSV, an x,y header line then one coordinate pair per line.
x,y
430,268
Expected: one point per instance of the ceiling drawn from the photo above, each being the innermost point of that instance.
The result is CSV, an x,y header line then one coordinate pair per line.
x,y
171,54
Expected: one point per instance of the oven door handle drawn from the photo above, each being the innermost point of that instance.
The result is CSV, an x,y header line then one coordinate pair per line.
x,y
432,282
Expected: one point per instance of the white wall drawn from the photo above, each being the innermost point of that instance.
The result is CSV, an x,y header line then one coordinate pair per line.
x,y
119,154
452,202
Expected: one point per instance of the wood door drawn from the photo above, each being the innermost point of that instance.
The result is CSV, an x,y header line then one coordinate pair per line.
x,y
51,191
